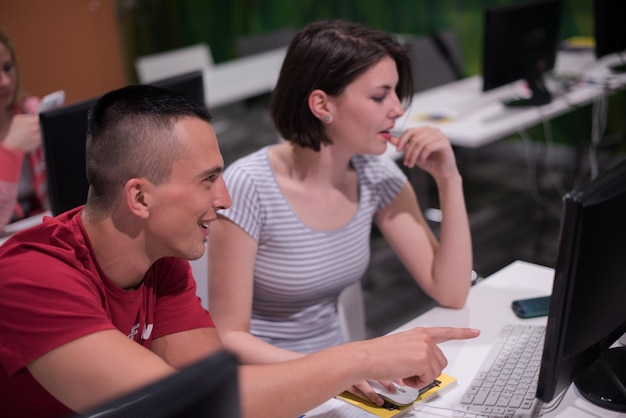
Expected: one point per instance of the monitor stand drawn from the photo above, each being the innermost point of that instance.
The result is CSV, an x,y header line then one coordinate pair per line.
x,y
619,68
539,93
597,385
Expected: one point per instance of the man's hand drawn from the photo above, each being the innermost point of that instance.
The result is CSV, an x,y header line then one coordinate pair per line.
x,y
413,355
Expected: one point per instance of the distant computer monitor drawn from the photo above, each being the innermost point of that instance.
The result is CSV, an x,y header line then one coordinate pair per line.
x,y
520,41
588,303
191,84
64,132
208,388
609,30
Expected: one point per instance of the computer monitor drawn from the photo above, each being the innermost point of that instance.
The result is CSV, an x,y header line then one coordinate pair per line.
x,y
191,84
208,388
587,311
520,41
609,30
64,132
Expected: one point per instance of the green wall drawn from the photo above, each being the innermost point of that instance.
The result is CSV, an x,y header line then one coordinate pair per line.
x,y
151,26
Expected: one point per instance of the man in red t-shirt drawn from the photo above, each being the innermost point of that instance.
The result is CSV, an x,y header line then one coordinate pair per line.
x,y
100,301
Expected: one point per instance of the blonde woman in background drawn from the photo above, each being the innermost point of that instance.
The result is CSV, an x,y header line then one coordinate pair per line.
x,y
22,169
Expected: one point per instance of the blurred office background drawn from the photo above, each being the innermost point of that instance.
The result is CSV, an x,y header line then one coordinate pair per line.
x,y
89,46
513,187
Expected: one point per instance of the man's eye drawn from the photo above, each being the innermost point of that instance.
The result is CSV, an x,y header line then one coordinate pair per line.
x,y
210,179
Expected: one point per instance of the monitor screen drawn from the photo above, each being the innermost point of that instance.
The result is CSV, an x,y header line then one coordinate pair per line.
x,y
587,311
520,41
64,133
208,388
609,29
191,84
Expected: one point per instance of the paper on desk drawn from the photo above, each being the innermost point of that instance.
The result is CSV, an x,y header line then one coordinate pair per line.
x,y
445,382
334,408
374,410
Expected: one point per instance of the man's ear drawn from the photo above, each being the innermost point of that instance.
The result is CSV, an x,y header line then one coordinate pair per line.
x,y
137,196
321,105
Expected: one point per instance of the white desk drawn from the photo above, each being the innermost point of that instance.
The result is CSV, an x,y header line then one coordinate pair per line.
x,y
21,225
488,309
478,118
242,78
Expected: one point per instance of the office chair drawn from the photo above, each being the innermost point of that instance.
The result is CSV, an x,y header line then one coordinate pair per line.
x,y
435,59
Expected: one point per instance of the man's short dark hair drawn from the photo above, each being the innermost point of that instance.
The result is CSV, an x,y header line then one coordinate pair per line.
x,y
129,135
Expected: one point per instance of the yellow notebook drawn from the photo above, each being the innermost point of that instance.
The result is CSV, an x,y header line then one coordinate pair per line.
x,y
444,382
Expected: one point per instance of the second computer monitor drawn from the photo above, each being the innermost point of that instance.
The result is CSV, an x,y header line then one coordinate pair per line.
x,y
191,84
63,132
609,30
520,41
208,388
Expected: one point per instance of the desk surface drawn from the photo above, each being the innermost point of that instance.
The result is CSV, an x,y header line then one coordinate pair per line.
x,y
21,225
475,118
488,309
242,78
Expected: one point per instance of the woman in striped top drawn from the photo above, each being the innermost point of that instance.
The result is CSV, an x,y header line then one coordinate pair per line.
x,y
298,231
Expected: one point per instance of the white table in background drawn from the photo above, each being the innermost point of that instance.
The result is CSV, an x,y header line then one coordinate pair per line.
x,y
477,118
242,78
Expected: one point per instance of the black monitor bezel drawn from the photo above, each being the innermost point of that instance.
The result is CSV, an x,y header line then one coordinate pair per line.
x,y
503,59
64,154
609,30
561,364
190,83
210,385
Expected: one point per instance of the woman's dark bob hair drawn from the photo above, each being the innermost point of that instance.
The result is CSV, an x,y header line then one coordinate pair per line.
x,y
329,55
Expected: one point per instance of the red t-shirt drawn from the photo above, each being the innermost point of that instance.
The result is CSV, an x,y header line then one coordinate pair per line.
x,y
52,291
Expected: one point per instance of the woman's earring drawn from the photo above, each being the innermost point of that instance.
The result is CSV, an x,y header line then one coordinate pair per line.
x,y
326,118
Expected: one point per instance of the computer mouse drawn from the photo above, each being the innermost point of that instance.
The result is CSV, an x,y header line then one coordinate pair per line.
x,y
404,395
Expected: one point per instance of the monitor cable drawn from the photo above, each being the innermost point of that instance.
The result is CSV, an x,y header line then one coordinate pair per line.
x,y
598,126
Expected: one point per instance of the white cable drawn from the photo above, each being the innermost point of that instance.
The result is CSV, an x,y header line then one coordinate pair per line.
x,y
598,126
532,170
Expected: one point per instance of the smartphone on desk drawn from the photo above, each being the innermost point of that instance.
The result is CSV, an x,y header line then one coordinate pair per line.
x,y
531,307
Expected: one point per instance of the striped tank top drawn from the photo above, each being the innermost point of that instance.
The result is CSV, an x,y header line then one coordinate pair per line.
x,y
299,272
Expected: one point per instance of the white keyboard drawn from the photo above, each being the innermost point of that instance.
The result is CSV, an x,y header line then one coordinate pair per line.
x,y
506,383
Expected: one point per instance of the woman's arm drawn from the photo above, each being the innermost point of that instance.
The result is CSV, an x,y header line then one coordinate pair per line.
x,y
442,268
10,169
231,255
23,136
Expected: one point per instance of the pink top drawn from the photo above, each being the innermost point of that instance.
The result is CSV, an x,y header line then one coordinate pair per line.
x,y
10,169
